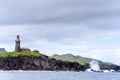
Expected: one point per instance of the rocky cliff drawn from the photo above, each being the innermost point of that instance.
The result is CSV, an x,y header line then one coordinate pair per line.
x,y
37,63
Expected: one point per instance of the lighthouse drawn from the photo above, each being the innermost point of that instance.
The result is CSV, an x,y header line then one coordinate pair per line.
x,y
17,44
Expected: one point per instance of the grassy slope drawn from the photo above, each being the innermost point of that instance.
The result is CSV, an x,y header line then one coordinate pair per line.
x,y
15,54
65,57
79,59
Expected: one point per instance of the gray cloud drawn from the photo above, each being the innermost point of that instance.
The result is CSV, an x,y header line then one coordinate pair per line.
x,y
54,26
57,20
63,11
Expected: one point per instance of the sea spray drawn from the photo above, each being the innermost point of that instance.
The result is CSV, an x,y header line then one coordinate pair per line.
x,y
94,65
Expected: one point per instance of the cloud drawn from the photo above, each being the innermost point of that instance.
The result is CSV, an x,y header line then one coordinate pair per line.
x,y
62,11
64,33
83,27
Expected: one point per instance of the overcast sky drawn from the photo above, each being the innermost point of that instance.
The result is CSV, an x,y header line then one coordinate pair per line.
x,y
90,28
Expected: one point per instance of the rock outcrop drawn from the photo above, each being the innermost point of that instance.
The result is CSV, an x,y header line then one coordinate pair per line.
x,y
2,50
110,67
38,63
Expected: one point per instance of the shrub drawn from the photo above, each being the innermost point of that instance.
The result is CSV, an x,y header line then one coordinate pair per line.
x,y
36,51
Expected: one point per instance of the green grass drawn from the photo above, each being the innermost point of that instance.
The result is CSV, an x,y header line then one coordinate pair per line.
x,y
83,63
72,58
79,59
15,54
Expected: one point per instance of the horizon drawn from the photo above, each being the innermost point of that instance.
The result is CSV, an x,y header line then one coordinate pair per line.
x,y
88,28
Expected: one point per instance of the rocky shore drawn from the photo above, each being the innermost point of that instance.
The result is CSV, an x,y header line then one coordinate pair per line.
x,y
38,63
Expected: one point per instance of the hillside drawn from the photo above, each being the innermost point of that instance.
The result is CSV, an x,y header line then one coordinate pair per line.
x,y
81,60
35,61
15,54
38,61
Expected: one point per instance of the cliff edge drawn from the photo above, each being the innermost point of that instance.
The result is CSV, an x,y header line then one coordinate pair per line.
x,y
35,61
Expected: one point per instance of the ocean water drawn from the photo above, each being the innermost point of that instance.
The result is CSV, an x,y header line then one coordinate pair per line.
x,y
57,75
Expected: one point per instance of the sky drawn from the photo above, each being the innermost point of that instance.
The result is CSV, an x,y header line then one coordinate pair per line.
x,y
89,28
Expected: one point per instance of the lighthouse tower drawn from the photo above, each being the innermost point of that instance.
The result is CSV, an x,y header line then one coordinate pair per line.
x,y
17,44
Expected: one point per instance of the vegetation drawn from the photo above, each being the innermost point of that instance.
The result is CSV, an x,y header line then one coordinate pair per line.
x,y
36,51
79,59
65,57
15,54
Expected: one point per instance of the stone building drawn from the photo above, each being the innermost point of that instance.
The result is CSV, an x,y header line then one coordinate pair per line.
x,y
17,44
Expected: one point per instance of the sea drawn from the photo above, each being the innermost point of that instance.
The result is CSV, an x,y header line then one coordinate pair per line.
x,y
58,75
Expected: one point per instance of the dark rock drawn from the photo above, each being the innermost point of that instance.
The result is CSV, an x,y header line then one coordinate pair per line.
x,y
38,63
109,67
